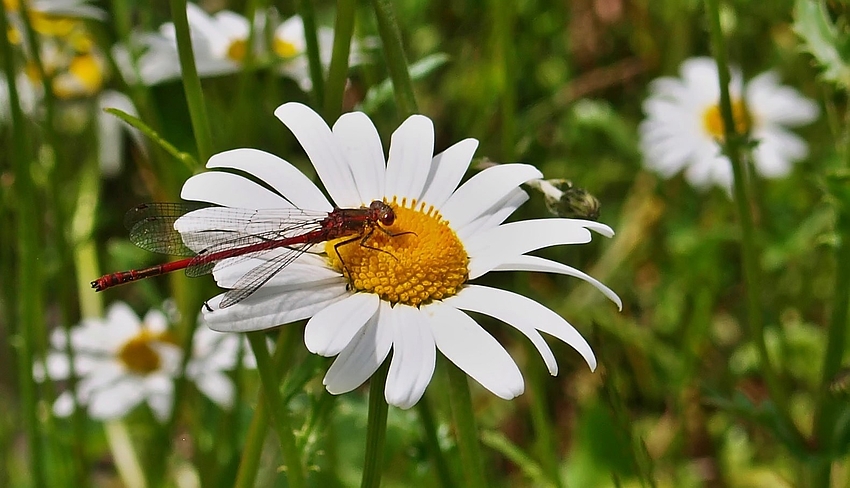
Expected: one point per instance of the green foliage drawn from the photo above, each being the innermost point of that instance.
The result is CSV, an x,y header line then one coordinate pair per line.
x,y
826,40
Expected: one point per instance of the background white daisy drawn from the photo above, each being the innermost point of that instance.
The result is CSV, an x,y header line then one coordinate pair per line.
x,y
122,362
683,124
361,325
214,355
220,44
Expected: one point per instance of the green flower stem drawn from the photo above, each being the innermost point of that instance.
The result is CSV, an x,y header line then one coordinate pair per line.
x,y
278,410
187,301
63,278
28,282
828,406
735,148
396,61
85,263
191,82
546,447
503,56
308,17
184,295
376,428
466,429
246,84
126,461
249,463
338,71
444,474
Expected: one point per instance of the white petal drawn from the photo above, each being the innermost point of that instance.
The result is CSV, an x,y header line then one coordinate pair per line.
x,y
232,24
64,404
414,357
285,178
115,401
535,263
362,356
361,143
155,321
474,351
774,103
489,249
160,405
203,27
324,152
292,31
495,215
522,312
307,268
230,190
481,191
411,150
447,169
109,373
109,135
478,299
332,328
57,365
777,149
218,387
58,338
121,323
271,307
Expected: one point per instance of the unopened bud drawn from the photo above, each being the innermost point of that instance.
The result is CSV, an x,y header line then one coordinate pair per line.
x,y
565,200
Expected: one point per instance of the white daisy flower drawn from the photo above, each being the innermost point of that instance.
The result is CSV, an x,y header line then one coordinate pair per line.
x,y
683,124
220,44
57,8
78,71
213,355
121,362
405,285
290,45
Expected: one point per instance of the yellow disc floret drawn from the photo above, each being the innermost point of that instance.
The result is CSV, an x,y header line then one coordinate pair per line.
x,y
237,50
284,48
138,354
416,260
712,119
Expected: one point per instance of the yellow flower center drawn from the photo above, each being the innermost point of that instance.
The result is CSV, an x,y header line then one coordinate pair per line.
x,y
284,48
416,260
87,71
237,50
712,120
138,354
50,25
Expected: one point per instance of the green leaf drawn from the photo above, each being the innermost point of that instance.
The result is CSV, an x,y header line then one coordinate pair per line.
x,y
823,40
137,123
382,92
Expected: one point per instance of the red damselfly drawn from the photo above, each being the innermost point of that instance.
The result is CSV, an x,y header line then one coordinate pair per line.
x,y
229,235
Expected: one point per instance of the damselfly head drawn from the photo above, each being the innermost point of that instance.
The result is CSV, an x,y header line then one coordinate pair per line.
x,y
382,212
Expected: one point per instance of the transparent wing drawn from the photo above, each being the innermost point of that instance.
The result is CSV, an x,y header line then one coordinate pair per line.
x,y
151,227
188,228
259,276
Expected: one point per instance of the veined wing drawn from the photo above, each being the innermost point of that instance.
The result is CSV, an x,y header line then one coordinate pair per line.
x,y
188,228
251,281
246,246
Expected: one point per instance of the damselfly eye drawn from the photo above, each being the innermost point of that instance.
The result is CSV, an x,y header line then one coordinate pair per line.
x,y
387,217
382,212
